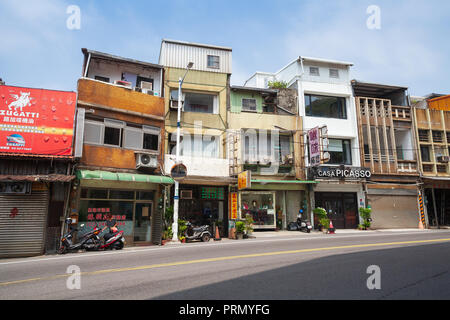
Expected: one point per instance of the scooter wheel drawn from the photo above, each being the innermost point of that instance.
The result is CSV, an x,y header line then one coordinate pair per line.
x,y
62,250
309,230
205,238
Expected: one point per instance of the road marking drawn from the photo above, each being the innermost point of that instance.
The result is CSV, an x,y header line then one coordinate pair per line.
x,y
252,255
195,245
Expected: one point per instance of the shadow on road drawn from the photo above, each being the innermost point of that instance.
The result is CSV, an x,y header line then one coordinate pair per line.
x,y
413,272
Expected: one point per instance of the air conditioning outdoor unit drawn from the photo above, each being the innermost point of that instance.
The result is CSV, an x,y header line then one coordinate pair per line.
x,y
145,160
443,159
186,194
15,187
147,85
174,104
123,83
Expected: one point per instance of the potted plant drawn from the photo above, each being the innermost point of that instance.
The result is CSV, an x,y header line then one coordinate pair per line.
x,y
240,229
248,224
364,213
322,217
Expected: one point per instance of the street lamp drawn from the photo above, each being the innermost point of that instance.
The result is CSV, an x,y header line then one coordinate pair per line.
x,y
177,155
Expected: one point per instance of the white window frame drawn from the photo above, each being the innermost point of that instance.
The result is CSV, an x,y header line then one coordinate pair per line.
x,y
313,74
334,76
116,124
102,131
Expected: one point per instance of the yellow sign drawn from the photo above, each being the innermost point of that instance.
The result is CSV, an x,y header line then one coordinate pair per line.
x,y
234,205
244,180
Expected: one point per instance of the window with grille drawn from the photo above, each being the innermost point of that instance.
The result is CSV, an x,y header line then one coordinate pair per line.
x,y
423,136
437,136
213,62
314,71
248,104
334,73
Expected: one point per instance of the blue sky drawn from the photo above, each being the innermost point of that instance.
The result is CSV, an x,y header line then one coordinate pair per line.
x,y
411,48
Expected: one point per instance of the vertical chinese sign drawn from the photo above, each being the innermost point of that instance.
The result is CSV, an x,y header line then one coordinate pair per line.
x,y
36,121
234,205
314,146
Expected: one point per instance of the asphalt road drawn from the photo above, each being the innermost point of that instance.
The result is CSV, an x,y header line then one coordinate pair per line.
x,y
411,265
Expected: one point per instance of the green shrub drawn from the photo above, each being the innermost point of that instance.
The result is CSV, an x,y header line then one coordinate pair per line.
x,y
240,226
277,84
365,215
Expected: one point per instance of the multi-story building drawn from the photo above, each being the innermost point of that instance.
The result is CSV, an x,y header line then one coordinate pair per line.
x,y
387,145
432,122
36,167
205,96
121,109
265,137
325,101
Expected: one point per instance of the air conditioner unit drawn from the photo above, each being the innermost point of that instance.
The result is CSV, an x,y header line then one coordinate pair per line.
x,y
123,83
147,85
145,160
15,187
443,159
185,194
174,104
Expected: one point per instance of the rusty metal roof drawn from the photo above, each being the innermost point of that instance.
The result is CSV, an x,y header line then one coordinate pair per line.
x,y
38,178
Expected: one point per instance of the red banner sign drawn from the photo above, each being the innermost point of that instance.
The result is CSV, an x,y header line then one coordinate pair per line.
x,y
36,121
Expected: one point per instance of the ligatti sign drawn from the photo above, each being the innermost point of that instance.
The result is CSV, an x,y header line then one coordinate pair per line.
x,y
340,172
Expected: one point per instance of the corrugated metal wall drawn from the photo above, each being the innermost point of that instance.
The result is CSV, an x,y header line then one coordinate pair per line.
x,y
179,55
23,234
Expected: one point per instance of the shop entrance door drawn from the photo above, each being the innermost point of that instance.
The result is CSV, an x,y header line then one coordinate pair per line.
x,y
341,208
142,221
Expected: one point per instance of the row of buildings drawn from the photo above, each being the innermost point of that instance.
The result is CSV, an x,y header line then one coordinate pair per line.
x,y
308,134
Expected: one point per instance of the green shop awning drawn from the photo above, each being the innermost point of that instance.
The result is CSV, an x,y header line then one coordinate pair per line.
x,y
118,176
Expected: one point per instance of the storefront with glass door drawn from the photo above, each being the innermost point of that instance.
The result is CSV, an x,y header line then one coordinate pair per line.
x,y
131,204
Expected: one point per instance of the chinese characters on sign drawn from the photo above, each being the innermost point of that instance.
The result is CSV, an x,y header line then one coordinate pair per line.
x,y
244,180
99,214
36,121
314,146
234,205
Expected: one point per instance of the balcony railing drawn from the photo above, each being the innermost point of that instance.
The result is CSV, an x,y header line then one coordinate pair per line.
x,y
401,113
406,166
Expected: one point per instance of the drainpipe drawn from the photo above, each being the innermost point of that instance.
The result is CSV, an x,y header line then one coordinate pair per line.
x,y
87,66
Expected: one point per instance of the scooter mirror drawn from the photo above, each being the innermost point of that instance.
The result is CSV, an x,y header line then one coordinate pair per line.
x,y
82,225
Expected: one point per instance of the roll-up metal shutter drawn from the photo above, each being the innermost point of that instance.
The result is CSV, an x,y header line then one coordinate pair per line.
x,y
22,234
157,225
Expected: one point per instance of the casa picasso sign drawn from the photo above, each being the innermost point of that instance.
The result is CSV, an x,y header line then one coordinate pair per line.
x,y
340,172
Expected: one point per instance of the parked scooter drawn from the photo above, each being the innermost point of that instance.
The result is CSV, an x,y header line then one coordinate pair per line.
x,y
87,241
197,233
115,242
300,224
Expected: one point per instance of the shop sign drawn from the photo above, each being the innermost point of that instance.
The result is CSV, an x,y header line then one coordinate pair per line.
x,y
36,121
314,146
340,172
245,180
234,205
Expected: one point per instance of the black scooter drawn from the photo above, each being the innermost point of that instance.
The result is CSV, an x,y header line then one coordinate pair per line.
x,y
87,241
300,224
197,233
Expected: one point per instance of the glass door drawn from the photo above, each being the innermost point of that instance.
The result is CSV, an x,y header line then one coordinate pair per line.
x,y
142,221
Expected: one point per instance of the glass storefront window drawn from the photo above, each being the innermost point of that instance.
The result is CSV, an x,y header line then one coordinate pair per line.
x,y
261,206
132,216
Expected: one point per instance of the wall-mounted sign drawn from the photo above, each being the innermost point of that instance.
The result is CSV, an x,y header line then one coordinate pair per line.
x,y
324,172
233,205
245,180
314,146
36,121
